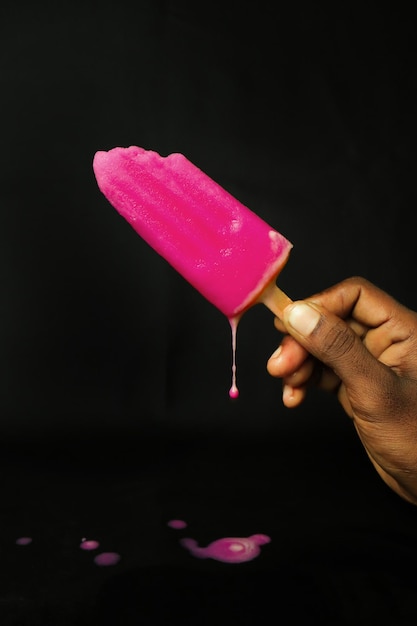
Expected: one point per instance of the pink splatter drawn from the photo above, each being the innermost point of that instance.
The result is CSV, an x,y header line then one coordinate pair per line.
x,y
89,544
23,541
228,549
107,558
177,524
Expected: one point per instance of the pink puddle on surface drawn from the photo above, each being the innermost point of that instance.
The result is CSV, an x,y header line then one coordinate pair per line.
x,y
107,558
23,541
228,549
177,524
89,544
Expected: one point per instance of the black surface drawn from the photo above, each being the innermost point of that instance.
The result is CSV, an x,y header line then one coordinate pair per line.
x,y
342,546
114,373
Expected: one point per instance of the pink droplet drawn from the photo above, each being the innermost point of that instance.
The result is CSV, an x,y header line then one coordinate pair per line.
x,y
107,558
89,544
177,524
23,541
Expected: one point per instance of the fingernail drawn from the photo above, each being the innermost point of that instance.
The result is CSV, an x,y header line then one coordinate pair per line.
x,y
303,318
276,354
287,393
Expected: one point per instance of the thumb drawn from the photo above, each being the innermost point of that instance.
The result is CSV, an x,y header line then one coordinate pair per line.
x,y
331,340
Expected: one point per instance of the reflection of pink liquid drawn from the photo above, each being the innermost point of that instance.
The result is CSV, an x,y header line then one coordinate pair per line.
x,y
228,549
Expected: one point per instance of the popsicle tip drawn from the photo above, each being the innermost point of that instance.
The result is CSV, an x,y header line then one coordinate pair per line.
x,y
99,159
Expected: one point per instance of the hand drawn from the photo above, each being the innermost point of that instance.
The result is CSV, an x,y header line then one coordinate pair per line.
x,y
357,341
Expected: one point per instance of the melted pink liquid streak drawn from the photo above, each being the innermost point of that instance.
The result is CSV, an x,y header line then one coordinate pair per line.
x,y
234,391
227,549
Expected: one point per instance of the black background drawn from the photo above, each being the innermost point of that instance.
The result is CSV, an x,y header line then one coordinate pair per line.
x,y
114,372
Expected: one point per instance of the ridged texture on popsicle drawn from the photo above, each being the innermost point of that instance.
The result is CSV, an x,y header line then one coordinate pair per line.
x,y
222,248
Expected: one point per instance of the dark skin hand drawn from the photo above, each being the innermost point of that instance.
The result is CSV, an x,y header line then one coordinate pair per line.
x,y
357,341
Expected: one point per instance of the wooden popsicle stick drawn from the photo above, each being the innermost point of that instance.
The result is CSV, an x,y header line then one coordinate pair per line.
x,y
275,299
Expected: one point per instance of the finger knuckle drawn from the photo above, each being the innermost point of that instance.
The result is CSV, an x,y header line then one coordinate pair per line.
x,y
339,341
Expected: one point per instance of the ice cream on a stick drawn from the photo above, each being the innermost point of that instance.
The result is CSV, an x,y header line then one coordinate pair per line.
x,y
221,247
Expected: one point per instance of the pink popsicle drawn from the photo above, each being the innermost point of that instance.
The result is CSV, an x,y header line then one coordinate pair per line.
x,y
226,251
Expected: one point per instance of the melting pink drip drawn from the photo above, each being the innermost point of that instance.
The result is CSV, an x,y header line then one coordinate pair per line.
x,y
228,549
234,391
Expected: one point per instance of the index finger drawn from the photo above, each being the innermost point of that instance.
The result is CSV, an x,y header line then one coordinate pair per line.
x,y
359,299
